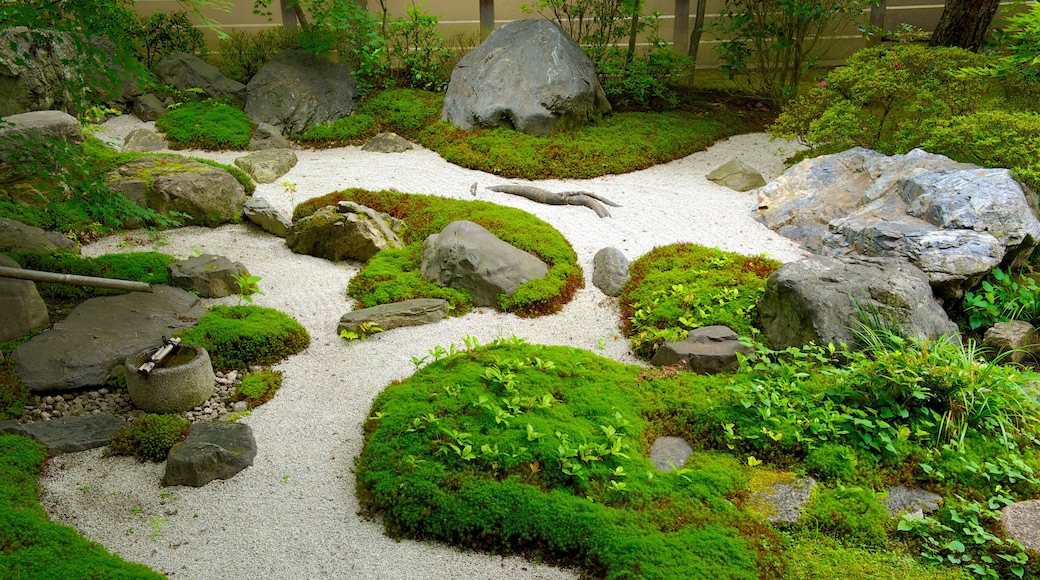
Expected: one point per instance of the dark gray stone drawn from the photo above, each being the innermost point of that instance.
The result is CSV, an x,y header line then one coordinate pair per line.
x,y
345,232
209,195
819,300
910,499
16,236
387,143
468,257
267,165
261,213
707,350
11,427
89,347
143,140
296,89
954,221
1013,340
148,107
185,71
785,501
670,453
267,136
395,315
71,434
528,75
211,451
21,307
208,275
610,271
736,175
1021,521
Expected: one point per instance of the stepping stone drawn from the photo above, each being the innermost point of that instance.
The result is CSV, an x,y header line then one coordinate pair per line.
x,y
70,434
395,315
911,499
784,501
263,214
211,451
706,350
387,143
670,453
1021,521
737,175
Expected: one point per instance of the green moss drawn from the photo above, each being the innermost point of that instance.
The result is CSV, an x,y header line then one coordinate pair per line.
x,y
850,514
814,556
403,111
238,337
258,388
675,288
392,276
34,547
150,437
208,124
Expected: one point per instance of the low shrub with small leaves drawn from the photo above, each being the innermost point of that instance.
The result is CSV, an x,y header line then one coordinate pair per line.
x,y
258,388
150,437
237,337
207,124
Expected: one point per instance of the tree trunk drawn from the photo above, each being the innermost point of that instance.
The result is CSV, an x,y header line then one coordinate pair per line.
x,y
288,15
964,23
487,17
637,10
695,38
680,40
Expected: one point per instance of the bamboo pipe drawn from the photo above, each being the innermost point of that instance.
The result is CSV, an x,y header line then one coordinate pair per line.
x,y
74,280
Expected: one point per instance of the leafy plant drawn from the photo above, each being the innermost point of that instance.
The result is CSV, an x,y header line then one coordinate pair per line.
x,y
247,286
417,51
161,34
1002,298
150,437
238,337
364,330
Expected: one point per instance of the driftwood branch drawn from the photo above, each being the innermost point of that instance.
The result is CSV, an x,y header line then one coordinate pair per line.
x,y
589,200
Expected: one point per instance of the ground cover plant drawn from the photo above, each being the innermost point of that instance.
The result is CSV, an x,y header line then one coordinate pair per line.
x,y
543,450
150,437
402,111
674,289
259,387
208,124
32,545
237,337
393,275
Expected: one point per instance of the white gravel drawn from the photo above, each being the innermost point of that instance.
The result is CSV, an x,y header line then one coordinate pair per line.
x,y
293,514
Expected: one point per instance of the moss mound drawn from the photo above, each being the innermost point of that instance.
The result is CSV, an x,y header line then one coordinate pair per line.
x,y
259,388
393,275
238,337
150,437
402,111
678,287
207,124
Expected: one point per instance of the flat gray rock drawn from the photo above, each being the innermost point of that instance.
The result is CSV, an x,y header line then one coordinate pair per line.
x,y
267,136
397,314
267,165
737,175
786,500
70,434
143,140
912,499
670,453
259,211
88,347
211,451
15,236
387,143
208,275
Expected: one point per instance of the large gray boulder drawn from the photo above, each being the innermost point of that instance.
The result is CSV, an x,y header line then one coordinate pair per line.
x,y
528,75
414,312
89,347
954,221
296,89
610,271
185,71
347,231
208,275
267,165
820,299
15,236
259,211
21,307
211,451
143,140
28,141
468,257
210,196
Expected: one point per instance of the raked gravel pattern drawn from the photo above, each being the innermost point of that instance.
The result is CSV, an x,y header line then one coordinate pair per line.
x,y
294,514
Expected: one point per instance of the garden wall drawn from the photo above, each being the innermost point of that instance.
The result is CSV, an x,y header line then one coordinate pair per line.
x,y
460,19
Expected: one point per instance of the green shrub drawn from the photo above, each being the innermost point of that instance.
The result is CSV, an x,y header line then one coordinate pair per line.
x,y
1000,298
242,55
673,289
207,124
161,34
850,514
258,388
33,546
150,437
395,275
238,337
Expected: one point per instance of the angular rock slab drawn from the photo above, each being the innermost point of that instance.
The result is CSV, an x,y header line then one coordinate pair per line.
x,y
610,271
296,90
267,136
143,140
90,345
185,71
35,127
71,434
15,236
468,257
1014,339
21,306
148,107
267,165
818,299
414,312
345,232
208,275
259,211
211,451
707,350
954,221
670,453
736,175
528,75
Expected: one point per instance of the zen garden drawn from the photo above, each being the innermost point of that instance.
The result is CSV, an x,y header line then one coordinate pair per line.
x,y
351,294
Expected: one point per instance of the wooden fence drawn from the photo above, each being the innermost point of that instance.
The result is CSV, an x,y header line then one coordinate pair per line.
x,y
461,21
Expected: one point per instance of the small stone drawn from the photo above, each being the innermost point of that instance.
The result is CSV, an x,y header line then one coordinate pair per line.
x,y
240,406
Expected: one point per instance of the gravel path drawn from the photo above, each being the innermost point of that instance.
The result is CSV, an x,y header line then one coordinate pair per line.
x,y
293,514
